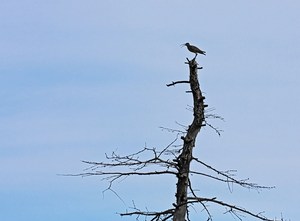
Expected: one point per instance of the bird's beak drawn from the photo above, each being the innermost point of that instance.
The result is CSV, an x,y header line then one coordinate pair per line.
x,y
182,45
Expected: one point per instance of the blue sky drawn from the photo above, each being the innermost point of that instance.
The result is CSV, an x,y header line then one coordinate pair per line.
x,y
80,79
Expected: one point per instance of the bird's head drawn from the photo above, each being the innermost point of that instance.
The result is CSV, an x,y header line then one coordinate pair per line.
x,y
186,44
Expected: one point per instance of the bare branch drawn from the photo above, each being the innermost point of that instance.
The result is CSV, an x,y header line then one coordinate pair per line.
x,y
203,205
177,82
172,130
162,215
231,208
133,161
229,177
217,130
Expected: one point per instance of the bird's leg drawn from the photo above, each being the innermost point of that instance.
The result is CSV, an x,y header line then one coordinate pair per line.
x,y
195,56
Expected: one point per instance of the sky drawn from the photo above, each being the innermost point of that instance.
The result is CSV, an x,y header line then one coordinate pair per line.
x,y
79,79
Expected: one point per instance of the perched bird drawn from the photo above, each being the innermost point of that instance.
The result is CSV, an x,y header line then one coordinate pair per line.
x,y
194,49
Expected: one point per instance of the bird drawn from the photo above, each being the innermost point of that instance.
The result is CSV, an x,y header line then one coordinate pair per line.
x,y
194,49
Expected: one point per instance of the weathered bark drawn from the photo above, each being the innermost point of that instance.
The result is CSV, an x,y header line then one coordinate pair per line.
x,y
184,159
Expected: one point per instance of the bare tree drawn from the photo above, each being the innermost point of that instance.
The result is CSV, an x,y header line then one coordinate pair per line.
x,y
176,160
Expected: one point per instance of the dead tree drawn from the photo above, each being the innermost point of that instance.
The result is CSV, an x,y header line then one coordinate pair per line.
x,y
176,161
184,159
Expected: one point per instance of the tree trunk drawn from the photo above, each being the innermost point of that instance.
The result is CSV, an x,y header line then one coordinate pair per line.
x,y
184,159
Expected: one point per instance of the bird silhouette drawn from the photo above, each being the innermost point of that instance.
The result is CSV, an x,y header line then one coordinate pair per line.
x,y
194,49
